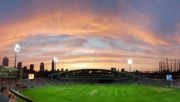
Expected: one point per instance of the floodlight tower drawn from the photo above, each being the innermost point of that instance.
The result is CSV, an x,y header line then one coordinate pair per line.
x,y
55,61
129,63
16,50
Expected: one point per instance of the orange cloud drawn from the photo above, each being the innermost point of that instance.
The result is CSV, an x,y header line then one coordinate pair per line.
x,y
82,23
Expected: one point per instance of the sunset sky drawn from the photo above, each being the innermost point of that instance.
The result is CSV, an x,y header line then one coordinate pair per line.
x,y
90,33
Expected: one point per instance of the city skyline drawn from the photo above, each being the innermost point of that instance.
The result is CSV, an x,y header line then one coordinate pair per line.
x,y
90,33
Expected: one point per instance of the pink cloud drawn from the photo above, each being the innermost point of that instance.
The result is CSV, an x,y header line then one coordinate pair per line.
x,y
78,22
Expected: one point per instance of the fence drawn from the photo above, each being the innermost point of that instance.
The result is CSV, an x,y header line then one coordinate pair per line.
x,y
21,96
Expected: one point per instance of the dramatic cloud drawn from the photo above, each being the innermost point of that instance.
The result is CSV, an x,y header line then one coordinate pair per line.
x,y
90,33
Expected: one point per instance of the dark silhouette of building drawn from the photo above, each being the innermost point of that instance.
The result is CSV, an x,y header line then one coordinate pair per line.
x,y
113,69
122,70
25,72
42,67
19,66
53,65
5,61
62,70
25,67
31,67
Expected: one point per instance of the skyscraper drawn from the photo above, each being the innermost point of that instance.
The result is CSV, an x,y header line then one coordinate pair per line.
x,y
41,67
52,65
19,66
5,61
31,67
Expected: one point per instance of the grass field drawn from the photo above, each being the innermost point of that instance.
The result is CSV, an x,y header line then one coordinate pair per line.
x,y
103,93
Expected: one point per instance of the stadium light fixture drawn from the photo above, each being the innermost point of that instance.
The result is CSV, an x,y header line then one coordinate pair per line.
x,y
130,63
16,50
56,59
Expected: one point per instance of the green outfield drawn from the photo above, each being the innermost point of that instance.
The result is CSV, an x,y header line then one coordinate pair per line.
x,y
103,93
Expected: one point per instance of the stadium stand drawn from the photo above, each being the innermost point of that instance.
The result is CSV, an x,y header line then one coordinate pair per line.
x,y
82,77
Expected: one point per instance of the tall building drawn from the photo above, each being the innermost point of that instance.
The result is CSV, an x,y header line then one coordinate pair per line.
x,y
25,67
113,69
31,67
41,67
19,66
5,61
52,65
